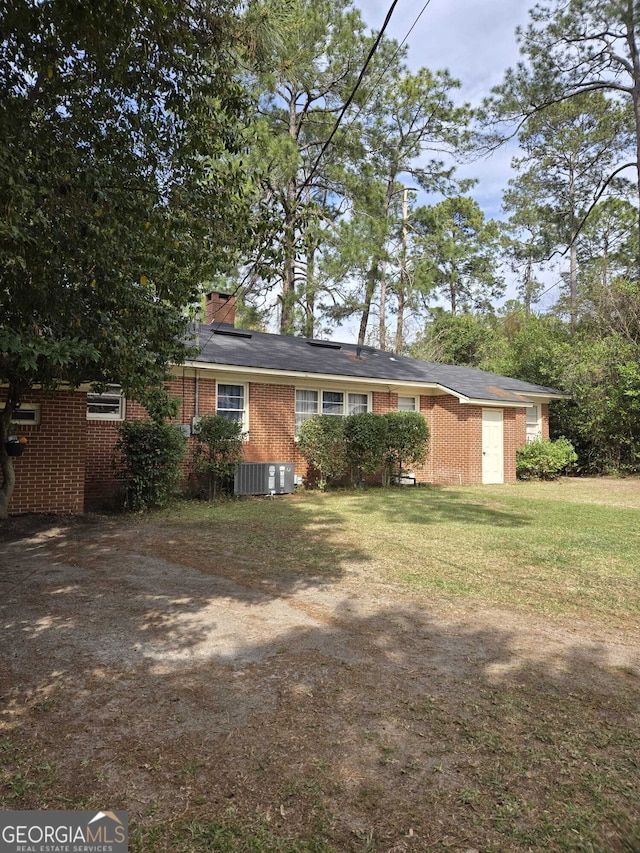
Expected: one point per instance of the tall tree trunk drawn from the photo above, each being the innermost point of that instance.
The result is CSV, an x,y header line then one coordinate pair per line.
x,y
6,462
630,24
527,288
573,285
373,274
382,327
402,289
288,296
372,280
310,295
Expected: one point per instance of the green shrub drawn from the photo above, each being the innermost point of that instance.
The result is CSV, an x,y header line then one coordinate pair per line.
x,y
218,453
545,460
321,442
407,443
365,444
149,465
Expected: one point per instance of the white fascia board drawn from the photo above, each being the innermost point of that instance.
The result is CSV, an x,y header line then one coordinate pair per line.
x,y
498,404
473,401
60,386
541,396
302,376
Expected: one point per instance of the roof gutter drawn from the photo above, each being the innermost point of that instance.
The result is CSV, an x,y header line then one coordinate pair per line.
x,y
298,375
536,395
316,377
501,404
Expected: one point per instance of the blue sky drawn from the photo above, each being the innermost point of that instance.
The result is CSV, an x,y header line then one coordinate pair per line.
x,y
475,41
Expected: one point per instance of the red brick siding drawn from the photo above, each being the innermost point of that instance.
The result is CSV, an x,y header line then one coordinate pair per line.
x,y
50,473
545,420
272,425
384,401
68,456
100,485
455,454
515,436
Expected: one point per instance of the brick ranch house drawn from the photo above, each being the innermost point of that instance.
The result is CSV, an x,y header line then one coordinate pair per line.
x,y
272,383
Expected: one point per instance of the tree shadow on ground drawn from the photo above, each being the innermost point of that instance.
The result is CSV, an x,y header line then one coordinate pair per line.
x,y
316,710
299,549
432,505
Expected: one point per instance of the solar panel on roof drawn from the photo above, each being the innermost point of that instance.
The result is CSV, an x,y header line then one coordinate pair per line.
x,y
324,344
232,333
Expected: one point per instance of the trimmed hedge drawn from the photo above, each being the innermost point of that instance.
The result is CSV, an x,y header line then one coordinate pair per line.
x,y
365,443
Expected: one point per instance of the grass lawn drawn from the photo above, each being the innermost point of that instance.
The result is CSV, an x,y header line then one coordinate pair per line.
x,y
428,670
570,548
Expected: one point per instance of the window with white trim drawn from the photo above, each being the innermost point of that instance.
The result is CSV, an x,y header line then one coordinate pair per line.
x,y
26,414
534,423
306,406
108,406
357,404
407,404
231,403
335,403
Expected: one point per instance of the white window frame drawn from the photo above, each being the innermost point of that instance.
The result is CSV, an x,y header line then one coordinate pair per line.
x,y
115,415
305,414
358,394
534,426
244,419
32,420
347,393
416,405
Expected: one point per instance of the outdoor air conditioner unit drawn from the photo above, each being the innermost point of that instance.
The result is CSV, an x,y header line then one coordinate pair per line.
x,y
264,478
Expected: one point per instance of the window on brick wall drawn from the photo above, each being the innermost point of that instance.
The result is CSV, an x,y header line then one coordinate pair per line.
x,y
534,423
27,414
108,406
407,404
336,403
231,403
357,404
306,406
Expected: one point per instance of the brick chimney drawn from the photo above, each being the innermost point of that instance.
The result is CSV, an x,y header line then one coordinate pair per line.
x,y
220,308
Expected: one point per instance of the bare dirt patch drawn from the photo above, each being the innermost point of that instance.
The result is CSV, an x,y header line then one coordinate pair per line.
x,y
140,669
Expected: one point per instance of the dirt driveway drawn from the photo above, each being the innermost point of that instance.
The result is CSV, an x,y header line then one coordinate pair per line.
x,y
342,712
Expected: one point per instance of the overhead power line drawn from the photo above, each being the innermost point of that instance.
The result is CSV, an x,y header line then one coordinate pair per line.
x,y
348,103
352,95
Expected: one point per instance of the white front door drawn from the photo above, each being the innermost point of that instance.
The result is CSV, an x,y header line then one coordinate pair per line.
x,y
492,446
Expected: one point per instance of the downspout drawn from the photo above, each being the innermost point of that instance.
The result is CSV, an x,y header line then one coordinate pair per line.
x,y
196,393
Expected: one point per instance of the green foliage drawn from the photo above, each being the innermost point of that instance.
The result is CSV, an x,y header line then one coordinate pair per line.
x,y
563,49
306,80
458,253
545,460
602,418
411,115
149,466
218,452
462,339
365,443
407,442
123,128
365,437
322,443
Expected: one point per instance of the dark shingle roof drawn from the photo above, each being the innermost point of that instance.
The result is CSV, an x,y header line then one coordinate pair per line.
x,y
224,345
